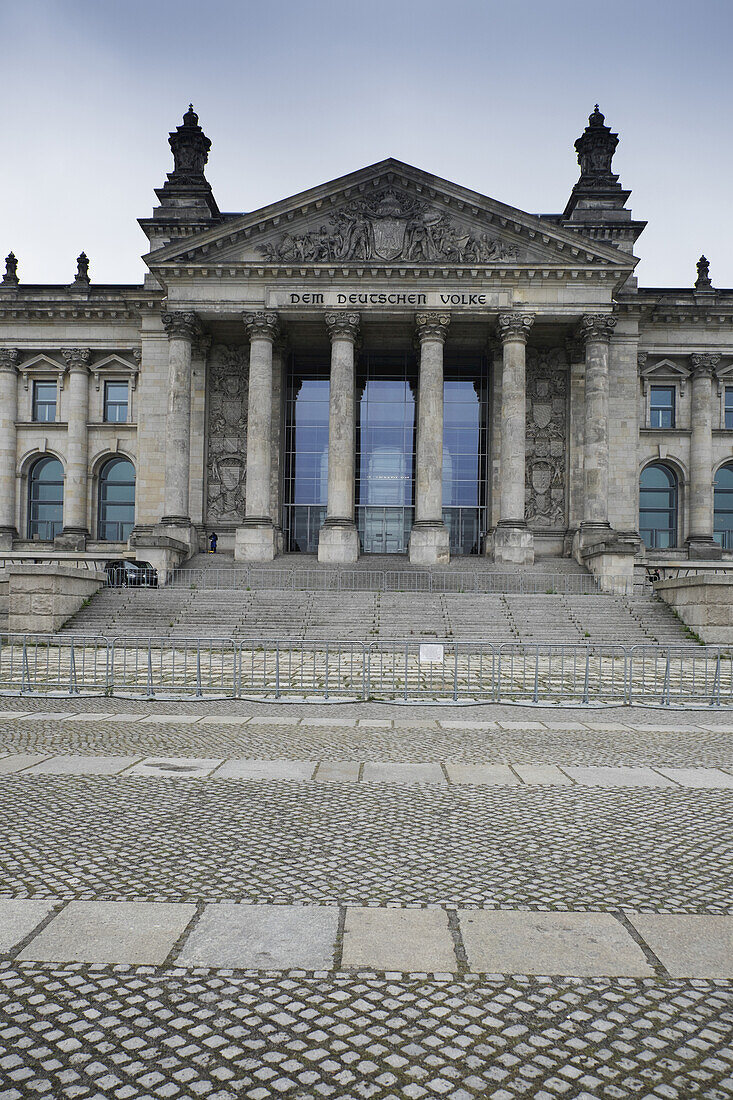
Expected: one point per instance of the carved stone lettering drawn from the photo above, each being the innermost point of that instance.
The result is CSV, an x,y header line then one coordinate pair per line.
x,y
228,378
546,439
390,225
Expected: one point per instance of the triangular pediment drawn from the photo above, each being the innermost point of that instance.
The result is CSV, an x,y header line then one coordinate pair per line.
x,y
395,215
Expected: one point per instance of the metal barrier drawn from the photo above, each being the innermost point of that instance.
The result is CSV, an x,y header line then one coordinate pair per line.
x,y
378,580
410,671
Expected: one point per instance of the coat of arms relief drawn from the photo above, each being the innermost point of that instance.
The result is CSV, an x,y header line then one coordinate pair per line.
x,y
546,437
228,377
389,226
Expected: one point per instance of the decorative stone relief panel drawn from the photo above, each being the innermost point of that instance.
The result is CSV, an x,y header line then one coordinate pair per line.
x,y
390,225
227,383
546,441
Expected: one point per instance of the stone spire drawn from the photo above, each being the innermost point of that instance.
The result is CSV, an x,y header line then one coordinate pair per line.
x,y
703,284
598,201
10,278
186,196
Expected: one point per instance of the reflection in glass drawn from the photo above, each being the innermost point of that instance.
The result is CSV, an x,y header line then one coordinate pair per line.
x,y
723,506
116,500
658,507
45,499
305,489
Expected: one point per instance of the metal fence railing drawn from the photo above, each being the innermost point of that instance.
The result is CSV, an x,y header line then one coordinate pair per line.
x,y
409,672
379,580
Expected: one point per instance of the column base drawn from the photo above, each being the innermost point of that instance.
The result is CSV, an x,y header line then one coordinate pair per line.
x,y
255,540
703,548
511,543
181,529
338,541
590,534
7,534
429,544
71,538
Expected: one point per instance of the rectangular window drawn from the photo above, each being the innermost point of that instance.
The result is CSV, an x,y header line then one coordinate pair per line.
x,y
44,401
115,402
661,407
729,406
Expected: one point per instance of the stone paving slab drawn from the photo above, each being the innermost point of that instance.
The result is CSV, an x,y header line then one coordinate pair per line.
x,y
267,769
111,932
572,944
18,918
50,715
83,765
263,937
689,946
387,772
398,939
338,771
542,775
19,761
489,774
698,777
601,776
178,767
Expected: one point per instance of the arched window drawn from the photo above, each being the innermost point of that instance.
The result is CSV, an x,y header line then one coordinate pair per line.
x,y
658,507
45,499
116,500
723,505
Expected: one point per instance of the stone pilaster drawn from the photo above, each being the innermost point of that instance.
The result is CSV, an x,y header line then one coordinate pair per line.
x,y
182,328
595,330
8,457
75,531
511,540
338,540
429,538
700,543
255,540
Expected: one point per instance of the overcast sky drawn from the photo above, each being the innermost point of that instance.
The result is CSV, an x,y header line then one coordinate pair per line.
x,y
488,93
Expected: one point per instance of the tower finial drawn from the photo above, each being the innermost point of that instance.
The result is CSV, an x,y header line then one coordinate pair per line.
x,y
10,278
190,148
703,283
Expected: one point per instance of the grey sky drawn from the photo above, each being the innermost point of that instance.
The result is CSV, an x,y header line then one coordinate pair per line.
x,y
488,93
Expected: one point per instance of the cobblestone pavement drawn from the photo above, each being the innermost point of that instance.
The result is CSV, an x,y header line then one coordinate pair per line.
x,y
129,1032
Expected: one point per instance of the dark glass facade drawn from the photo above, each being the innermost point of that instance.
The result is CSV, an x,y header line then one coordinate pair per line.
x,y
116,500
658,507
386,425
46,499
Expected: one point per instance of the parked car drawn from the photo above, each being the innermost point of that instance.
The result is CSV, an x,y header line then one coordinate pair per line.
x,y
127,573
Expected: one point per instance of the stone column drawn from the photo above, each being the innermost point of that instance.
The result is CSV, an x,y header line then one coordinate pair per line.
x,y
182,328
700,543
512,541
595,330
75,531
255,539
8,456
429,538
338,540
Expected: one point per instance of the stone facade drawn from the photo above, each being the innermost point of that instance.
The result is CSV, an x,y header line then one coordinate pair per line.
x,y
387,257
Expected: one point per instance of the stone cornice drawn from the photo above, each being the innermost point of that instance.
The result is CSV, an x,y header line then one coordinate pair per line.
x,y
342,325
596,326
432,325
262,325
514,326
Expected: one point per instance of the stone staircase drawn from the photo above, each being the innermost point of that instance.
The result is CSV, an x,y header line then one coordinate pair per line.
x,y
180,610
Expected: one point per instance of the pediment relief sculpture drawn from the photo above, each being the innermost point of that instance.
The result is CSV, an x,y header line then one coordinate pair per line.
x,y
390,225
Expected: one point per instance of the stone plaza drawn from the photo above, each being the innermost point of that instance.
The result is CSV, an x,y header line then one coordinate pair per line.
x,y
237,900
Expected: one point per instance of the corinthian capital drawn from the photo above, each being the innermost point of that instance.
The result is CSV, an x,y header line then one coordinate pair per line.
x,y
704,363
262,325
343,325
184,325
76,358
515,326
8,358
432,326
596,326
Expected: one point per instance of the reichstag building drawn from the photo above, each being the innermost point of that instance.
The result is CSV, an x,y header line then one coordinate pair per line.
x,y
388,363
